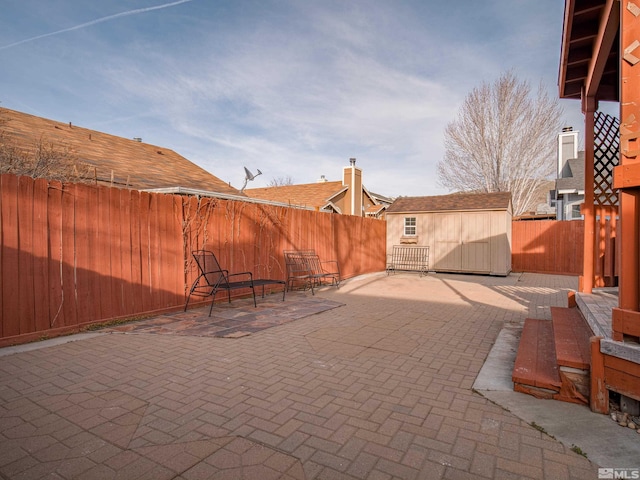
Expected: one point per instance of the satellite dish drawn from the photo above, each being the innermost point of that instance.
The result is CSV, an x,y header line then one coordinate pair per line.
x,y
248,177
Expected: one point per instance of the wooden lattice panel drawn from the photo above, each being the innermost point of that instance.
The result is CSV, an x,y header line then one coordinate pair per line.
x,y
606,157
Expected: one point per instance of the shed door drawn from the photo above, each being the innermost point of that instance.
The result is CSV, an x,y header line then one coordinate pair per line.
x,y
447,230
475,236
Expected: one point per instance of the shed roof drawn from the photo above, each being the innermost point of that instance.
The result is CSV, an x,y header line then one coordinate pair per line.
x,y
129,162
453,202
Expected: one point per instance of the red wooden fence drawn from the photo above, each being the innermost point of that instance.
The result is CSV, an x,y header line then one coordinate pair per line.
x,y
547,246
72,255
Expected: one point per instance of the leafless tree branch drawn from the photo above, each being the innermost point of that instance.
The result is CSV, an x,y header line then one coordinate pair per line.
x,y
280,181
502,141
41,159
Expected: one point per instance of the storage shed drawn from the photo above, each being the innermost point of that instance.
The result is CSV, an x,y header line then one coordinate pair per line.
x,y
465,232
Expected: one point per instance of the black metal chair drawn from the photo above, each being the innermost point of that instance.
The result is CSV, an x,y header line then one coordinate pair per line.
x,y
304,266
213,278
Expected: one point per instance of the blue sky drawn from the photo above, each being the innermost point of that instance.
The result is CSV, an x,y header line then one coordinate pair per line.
x,y
293,88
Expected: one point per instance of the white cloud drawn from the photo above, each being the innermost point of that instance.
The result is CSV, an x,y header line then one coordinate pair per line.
x,y
293,89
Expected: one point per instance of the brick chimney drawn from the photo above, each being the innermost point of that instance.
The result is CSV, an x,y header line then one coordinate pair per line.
x,y
352,177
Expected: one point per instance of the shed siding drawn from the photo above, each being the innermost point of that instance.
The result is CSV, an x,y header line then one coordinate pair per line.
x,y
501,243
474,242
445,240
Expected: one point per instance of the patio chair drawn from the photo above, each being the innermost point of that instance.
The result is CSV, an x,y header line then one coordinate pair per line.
x,y
323,270
213,278
305,266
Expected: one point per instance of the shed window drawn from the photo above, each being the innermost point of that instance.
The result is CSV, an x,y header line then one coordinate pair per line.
x,y
409,226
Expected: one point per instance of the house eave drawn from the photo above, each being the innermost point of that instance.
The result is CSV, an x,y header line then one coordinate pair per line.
x,y
330,206
330,199
224,196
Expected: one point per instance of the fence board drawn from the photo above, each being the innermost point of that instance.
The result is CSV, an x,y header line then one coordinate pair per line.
x,y
40,255
69,305
26,312
85,292
156,255
136,252
178,250
115,253
126,281
190,237
94,263
54,222
169,266
145,251
103,254
10,257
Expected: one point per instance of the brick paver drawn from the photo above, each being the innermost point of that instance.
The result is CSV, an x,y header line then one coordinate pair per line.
x,y
380,388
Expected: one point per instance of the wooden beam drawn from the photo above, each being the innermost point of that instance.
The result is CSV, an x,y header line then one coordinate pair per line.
x,y
609,25
625,322
589,106
622,376
569,7
626,176
599,397
579,55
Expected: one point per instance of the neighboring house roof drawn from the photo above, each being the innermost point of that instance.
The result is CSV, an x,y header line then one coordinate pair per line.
x,y
572,180
130,163
375,210
317,195
346,197
381,198
453,202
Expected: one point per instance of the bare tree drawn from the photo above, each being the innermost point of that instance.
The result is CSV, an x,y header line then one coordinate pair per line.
x,y
280,181
503,140
41,159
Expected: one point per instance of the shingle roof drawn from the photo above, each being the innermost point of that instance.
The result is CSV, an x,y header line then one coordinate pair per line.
x,y
453,202
576,180
136,164
375,209
309,194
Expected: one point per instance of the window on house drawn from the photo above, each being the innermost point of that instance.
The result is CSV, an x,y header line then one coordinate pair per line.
x,y
410,226
575,211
